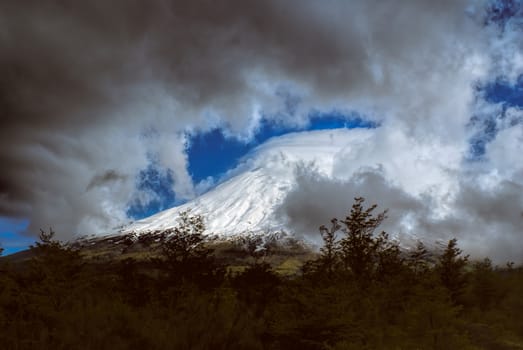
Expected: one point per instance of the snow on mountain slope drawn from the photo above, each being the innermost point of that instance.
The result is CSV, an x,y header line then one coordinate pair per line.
x,y
248,200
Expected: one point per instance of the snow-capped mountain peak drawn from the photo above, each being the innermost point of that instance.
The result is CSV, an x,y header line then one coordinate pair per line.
x,y
247,201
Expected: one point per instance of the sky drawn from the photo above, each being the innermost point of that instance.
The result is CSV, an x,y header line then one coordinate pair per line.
x,y
112,111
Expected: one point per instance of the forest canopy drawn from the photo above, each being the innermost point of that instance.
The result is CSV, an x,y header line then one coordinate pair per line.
x,y
360,291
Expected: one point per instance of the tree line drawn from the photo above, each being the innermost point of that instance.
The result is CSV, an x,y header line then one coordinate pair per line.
x,y
361,292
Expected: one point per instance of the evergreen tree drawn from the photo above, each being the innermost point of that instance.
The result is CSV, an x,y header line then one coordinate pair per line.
x,y
451,269
418,259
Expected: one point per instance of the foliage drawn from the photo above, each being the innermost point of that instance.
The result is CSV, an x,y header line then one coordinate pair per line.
x,y
360,253
185,241
362,292
451,269
417,260
330,250
185,257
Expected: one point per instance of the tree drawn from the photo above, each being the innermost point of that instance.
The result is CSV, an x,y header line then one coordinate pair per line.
x,y
417,260
450,267
486,288
389,257
185,241
54,258
54,266
363,253
329,251
360,252
185,255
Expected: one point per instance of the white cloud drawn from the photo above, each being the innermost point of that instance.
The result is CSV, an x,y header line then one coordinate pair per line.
x,y
89,89
504,153
431,192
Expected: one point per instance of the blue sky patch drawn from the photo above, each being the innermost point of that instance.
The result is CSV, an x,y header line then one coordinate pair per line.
x,y
212,153
501,91
10,235
504,93
503,10
158,182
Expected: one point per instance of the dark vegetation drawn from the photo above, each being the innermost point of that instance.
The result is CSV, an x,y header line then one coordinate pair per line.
x,y
360,292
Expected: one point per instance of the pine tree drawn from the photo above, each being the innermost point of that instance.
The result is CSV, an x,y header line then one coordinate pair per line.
x,y
418,259
451,265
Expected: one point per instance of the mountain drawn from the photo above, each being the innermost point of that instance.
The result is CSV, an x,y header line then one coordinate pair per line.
x,y
249,197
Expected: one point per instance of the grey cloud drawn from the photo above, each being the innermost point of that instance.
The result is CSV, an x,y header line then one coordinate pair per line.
x,y
487,222
106,178
82,80
494,219
316,199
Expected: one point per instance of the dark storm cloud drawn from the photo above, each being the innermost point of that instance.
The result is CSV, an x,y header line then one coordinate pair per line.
x,y
487,222
64,63
82,80
106,178
317,199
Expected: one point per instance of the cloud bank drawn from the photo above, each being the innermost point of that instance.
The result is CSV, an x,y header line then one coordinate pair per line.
x,y
92,91
426,200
